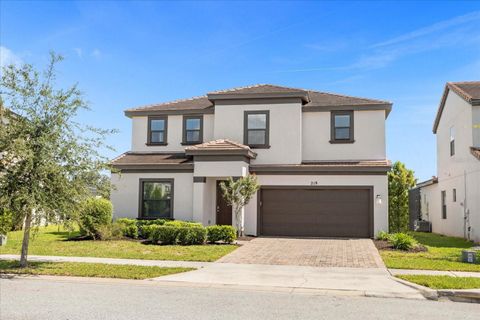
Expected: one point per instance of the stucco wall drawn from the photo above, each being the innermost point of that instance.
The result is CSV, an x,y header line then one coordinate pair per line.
x,y
458,172
379,184
174,133
369,135
125,197
285,129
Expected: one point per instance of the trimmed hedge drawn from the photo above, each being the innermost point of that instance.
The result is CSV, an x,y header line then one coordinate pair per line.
x,y
168,235
227,234
129,227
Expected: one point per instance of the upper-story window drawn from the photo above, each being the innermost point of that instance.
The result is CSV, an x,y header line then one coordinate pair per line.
x,y
341,127
192,129
452,141
256,129
157,130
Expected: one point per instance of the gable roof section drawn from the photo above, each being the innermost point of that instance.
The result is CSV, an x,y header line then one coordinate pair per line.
x,y
312,100
220,147
467,90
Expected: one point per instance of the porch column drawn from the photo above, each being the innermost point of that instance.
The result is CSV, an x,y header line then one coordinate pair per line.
x,y
199,186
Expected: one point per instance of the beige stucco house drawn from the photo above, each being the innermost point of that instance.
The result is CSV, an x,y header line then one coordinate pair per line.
x,y
451,201
319,158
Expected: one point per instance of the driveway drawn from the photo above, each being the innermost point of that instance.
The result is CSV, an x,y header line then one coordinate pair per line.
x,y
346,253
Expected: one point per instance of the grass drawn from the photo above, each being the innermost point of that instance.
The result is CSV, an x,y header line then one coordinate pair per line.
x,y
444,253
443,282
99,270
53,241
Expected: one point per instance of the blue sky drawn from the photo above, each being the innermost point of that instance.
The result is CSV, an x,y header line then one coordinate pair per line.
x,y
125,54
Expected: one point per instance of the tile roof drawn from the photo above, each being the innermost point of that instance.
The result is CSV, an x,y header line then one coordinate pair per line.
x,y
475,152
150,158
467,90
311,99
326,166
220,146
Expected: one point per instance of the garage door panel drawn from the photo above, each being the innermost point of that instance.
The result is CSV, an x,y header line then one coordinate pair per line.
x,y
316,212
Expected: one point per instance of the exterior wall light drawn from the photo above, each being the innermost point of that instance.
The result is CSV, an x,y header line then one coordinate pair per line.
x,y
378,199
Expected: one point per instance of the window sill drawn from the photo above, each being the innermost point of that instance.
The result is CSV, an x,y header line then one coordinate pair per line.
x,y
259,146
191,143
156,144
341,141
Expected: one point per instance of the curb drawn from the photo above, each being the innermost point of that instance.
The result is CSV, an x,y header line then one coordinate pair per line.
x,y
428,293
471,296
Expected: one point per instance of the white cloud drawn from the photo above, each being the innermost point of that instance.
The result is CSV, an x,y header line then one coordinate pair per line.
x,y
79,52
96,53
8,57
434,28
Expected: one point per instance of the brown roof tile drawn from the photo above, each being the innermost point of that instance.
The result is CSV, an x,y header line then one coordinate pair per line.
x,y
150,158
221,146
475,152
311,98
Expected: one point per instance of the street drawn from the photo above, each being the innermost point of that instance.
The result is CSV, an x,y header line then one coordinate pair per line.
x,y
62,298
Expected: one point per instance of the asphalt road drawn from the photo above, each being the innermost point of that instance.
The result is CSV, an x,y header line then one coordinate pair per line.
x,y
72,299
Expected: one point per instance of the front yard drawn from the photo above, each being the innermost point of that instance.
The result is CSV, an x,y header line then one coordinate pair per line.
x,y
443,254
88,270
53,241
443,282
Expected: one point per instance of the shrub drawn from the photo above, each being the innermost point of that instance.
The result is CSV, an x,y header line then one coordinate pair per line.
x,y
129,227
95,215
6,222
157,222
191,235
402,241
110,231
227,234
164,234
382,235
182,224
145,232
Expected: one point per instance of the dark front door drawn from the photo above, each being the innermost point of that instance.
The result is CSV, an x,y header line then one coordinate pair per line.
x,y
317,212
224,211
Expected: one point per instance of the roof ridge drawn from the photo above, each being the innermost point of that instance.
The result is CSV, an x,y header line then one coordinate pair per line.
x,y
347,96
253,86
455,86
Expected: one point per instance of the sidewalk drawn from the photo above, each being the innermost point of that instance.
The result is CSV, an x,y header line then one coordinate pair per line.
x,y
395,272
376,282
137,262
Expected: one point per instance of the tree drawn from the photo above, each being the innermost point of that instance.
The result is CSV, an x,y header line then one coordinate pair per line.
x,y
49,162
400,180
237,193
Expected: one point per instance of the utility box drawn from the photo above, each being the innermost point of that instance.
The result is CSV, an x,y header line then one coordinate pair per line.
x,y
469,256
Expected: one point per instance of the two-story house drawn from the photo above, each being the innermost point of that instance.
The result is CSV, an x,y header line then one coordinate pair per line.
x,y
319,158
451,201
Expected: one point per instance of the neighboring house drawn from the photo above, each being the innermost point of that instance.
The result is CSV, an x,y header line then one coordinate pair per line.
x,y
319,158
451,201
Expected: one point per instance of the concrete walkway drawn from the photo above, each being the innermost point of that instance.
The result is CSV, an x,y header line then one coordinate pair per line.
x,y
137,262
396,272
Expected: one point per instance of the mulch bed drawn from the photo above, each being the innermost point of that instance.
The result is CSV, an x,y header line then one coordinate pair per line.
x,y
385,245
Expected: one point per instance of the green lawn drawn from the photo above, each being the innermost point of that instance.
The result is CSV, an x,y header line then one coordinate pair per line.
x,y
52,241
99,270
443,254
443,282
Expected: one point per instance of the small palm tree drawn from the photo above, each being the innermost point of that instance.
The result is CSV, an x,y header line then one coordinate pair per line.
x,y
237,193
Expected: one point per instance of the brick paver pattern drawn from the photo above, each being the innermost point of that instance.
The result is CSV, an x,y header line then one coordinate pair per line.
x,y
348,253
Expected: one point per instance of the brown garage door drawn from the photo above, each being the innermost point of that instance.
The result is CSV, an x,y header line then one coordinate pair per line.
x,y
316,212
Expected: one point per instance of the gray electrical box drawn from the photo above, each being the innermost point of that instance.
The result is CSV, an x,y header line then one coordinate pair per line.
x,y
469,256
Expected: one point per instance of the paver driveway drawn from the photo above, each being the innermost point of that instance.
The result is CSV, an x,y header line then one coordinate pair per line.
x,y
349,253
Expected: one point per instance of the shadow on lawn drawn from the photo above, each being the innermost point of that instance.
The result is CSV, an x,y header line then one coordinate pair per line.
x,y
441,241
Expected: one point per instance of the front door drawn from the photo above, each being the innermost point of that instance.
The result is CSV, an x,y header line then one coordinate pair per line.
x,y
224,211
